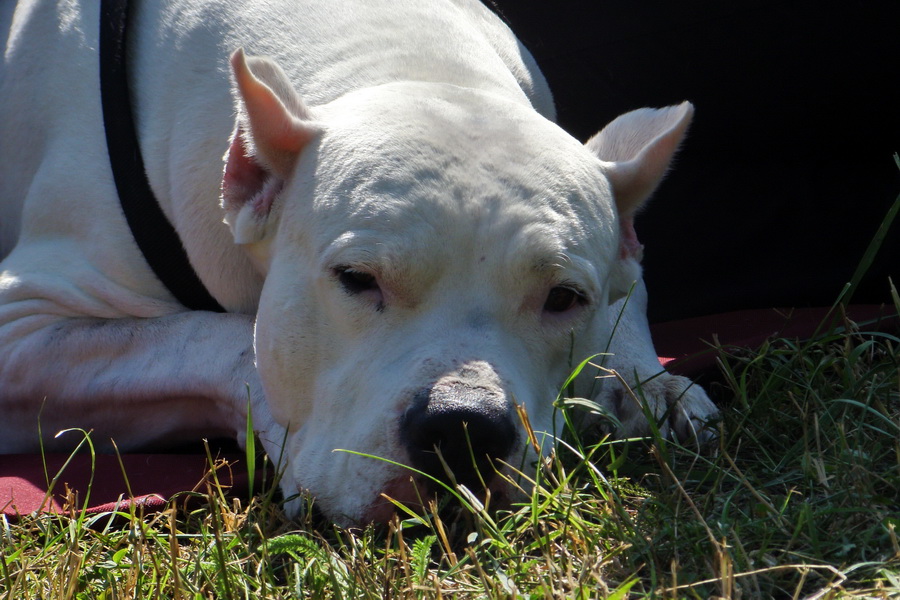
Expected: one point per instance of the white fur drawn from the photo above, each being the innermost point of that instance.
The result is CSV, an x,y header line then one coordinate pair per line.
x,y
411,141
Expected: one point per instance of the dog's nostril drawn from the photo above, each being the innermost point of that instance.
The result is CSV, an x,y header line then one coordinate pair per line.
x,y
467,429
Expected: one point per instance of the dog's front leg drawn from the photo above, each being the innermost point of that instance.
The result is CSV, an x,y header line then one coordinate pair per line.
x,y
680,407
139,381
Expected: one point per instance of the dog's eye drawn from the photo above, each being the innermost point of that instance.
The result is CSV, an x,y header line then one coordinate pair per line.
x,y
562,298
355,282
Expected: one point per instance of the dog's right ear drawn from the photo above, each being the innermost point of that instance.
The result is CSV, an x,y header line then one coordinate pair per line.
x,y
273,128
637,149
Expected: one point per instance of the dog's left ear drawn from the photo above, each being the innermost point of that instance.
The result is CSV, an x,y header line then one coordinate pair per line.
x,y
273,128
637,149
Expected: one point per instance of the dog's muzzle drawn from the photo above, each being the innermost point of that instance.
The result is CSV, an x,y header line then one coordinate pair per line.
x,y
457,432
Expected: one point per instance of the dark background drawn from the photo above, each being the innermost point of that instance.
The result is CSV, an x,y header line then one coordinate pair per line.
x,y
787,171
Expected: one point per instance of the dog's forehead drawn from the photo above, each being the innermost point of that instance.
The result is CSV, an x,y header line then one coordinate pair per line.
x,y
456,165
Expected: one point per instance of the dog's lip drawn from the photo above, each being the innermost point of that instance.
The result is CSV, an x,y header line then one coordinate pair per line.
x,y
404,489
416,494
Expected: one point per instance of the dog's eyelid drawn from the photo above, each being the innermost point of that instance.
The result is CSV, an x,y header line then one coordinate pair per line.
x,y
564,297
575,287
355,280
349,269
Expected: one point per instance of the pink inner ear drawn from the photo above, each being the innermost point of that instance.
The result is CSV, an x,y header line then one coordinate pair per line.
x,y
245,180
629,246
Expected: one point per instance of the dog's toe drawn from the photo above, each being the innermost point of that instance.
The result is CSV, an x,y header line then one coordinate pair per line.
x,y
691,412
680,408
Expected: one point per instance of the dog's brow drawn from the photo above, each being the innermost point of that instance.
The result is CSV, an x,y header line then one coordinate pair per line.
x,y
536,250
565,266
355,246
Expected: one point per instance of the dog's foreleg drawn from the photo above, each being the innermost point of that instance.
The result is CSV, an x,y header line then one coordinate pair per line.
x,y
685,405
139,381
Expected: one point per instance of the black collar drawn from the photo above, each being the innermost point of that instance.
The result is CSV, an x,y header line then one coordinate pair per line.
x,y
152,231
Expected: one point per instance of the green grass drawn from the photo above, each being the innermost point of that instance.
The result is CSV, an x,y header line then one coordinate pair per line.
x,y
800,498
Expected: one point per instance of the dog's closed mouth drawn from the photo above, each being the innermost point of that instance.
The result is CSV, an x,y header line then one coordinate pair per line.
x,y
423,496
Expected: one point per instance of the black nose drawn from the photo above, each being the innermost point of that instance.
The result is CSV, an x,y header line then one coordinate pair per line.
x,y
469,426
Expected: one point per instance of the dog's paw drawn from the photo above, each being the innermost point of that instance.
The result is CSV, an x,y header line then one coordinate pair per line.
x,y
680,408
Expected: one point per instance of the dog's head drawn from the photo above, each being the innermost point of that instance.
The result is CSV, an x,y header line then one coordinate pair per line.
x,y
434,257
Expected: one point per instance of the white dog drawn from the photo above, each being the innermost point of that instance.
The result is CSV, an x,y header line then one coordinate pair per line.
x,y
405,242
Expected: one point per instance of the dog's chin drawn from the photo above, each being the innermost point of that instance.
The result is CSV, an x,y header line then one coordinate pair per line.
x,y
422,497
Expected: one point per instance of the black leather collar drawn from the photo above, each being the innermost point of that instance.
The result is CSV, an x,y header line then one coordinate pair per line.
x,y
152,231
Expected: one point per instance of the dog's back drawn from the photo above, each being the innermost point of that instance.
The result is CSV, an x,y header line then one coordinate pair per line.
x,y
52,141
